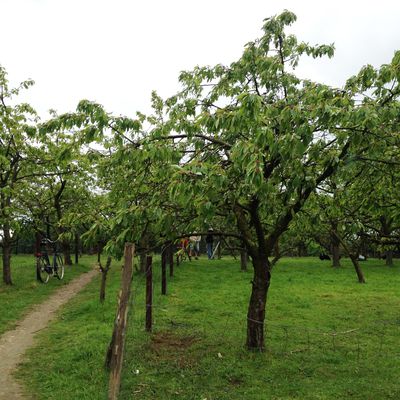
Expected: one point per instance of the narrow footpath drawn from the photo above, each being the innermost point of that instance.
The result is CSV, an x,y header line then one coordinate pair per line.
x,y
14,343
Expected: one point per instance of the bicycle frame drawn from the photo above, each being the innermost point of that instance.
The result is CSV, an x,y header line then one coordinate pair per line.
x,y
44,267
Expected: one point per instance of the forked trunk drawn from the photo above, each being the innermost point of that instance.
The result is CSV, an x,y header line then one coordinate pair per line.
x,y
353,258
256,310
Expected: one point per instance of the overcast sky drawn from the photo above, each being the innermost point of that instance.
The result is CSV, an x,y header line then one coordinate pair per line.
x,y
116,52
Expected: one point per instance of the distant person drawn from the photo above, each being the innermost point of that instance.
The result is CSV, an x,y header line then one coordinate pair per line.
x,y
209,243
195,246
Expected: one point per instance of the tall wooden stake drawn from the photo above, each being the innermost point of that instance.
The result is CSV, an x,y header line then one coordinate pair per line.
x,y
115,350
149,293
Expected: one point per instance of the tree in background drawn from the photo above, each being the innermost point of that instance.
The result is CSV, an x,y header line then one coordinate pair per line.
x,y
17,155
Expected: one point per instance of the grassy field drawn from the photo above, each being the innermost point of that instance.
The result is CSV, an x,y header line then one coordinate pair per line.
x,y
26,291
327,337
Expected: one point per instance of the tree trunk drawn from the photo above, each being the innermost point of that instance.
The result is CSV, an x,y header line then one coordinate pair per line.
x,y
103,285
99,248
149,293
164,271
142,262
389,258
360,275
335,245
144,246
66,248
104,272
335,255
353,258
387,231
76,249
256,309
243,260
7,246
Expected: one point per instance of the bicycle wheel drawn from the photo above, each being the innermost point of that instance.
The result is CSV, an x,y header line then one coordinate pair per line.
x,y
59,267
42,270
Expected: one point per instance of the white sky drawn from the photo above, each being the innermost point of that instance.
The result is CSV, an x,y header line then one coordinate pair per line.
x,y
116,52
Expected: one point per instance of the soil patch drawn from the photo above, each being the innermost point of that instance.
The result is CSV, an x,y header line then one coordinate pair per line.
x,y
170,347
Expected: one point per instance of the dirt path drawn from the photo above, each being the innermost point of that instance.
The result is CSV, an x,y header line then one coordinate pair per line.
x,y
13,344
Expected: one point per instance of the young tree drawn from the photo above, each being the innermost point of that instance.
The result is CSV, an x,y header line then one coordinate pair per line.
x,y
259,140
17,130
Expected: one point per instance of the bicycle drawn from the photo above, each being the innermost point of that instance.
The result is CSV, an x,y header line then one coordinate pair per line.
x,y
45,269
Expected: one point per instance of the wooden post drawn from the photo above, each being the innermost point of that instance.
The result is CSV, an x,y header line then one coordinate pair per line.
x,y
115,350
164,271
171,259
149,293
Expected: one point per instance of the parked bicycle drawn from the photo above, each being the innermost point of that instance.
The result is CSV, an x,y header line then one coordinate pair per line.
x,y
45,268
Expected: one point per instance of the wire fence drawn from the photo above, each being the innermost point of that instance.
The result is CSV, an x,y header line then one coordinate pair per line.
x,y
378,339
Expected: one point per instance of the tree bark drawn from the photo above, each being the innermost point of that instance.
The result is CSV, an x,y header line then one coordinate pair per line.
x,y
257,304
243,260
104,272
335,255
66,248
76,248
356,265
144,246
335,245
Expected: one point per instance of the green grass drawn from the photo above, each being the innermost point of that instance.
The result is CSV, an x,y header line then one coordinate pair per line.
x,y
16,300
327,337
